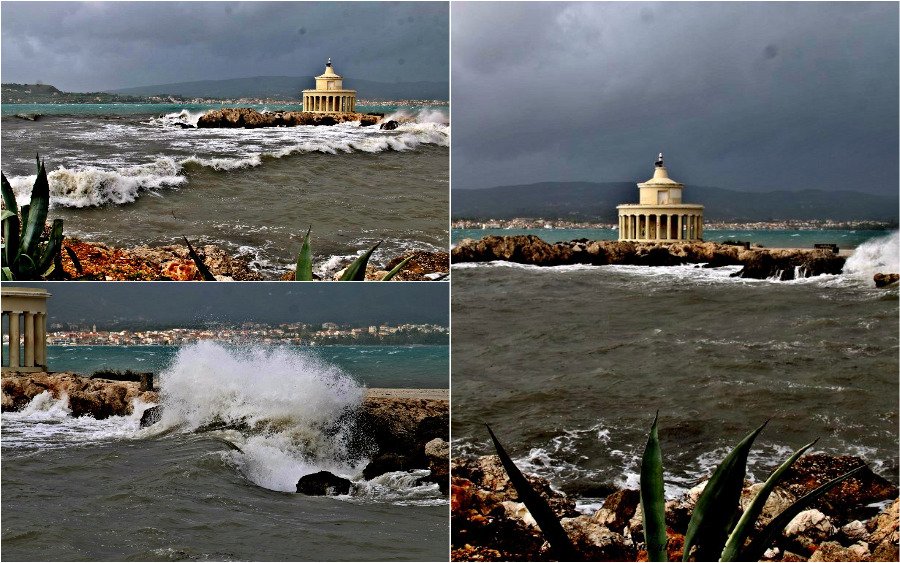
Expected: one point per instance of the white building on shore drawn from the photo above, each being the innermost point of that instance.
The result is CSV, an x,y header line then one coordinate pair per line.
x,y
329,95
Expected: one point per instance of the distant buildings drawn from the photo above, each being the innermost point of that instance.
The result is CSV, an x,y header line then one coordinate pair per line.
x,y
660,215
329,95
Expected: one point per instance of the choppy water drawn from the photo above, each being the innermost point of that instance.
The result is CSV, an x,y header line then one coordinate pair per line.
x,y
772,238
569,364
126,177
180,490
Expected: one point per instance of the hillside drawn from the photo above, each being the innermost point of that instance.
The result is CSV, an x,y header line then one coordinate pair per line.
x,y
590,201
46,94
289,87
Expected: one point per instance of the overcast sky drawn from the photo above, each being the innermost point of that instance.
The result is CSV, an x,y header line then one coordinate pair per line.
x,y
90,46
173,302
755,96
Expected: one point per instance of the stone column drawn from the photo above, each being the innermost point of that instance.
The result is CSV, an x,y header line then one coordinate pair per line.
x,y
658,229
678,227
700,227
14,339
40,339
29,339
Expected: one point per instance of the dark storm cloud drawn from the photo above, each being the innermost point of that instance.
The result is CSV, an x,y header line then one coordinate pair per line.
x,y
738,95
106,45
183,303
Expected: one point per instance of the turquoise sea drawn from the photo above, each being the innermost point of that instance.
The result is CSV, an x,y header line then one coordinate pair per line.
x,y
845,239
372,366
144,109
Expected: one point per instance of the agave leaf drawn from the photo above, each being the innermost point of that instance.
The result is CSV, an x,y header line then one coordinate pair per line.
x,y
758,546
9,197
653,500
715,511
25,267
6,274
11,230
75,261
201,265
396,269
37,214
304,260
536,504
357,270
745,525
53,248
23,219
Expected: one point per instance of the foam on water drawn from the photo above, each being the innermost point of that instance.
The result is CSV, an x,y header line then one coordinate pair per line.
x,y
879,255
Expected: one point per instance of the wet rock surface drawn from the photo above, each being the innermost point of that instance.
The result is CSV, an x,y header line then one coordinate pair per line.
x,y
99,398
489,522
323,483
249,118
758,263
886,280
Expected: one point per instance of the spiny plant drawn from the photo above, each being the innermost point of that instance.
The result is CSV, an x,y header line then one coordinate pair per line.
x,y
716,531
356,271
27,254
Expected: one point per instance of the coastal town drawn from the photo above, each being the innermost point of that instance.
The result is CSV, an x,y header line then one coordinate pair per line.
x,y
794,225
289,333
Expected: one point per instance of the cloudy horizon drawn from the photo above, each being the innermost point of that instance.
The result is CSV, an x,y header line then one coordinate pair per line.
x,y
749,96
103,46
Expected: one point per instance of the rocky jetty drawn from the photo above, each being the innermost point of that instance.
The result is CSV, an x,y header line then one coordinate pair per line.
x,y
886,280
96,397
758,263
490,523
249,118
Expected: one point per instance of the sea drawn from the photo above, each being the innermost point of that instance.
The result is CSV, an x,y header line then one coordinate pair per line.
x,y
570,364
133,174
215,478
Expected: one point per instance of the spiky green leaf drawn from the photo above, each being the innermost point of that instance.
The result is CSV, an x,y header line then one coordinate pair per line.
x,y
773,529
357,270
37,214
716,509
11,230
53,247
745,525
9,197
7,274
303,271
537,505
396,269
653,500
75,261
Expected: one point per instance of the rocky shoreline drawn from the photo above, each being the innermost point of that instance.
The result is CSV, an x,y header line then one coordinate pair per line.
x,y
858,521
398,430
98,261
249,118
758,263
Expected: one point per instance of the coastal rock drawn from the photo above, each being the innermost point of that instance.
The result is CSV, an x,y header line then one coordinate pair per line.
x,y
323,483
617,510
809,528
597,543
437,453
884,536
847,499
393,423
389,125
421,265
779,499
387,463
886,280
833,551
249,118
99,398
151,416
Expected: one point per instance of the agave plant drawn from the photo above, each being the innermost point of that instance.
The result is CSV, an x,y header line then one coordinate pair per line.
x,y
356,271
28,254
716,531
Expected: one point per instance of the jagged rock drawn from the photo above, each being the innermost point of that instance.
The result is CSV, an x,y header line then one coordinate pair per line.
x,y
833,551
437,453
386,463
323,483
854,531
99,398
791,556
809,528
847,499
885,280
779,499
884,535
617,510
392,424
151,416
758,262
389,125
421,265
250,118
597,543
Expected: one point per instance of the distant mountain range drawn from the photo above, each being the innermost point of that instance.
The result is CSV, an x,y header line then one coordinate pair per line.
x,y
289,87
591,201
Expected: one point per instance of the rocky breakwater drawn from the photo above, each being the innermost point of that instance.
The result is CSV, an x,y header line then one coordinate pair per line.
x,y
857,521
758,263
96,397
249,118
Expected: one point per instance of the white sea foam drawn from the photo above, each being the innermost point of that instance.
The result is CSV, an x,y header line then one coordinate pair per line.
x,y
879,255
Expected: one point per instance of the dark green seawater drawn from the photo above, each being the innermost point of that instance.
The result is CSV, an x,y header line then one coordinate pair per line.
x,y
569,365
215,478
128,174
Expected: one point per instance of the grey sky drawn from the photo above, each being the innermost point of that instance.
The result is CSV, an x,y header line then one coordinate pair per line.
x,y
749,96
89,46
173,302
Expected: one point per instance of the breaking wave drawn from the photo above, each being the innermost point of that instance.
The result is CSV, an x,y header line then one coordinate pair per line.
x,y
879,255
